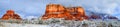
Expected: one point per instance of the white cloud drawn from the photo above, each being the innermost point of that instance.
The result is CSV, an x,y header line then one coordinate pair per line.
x,y
30,17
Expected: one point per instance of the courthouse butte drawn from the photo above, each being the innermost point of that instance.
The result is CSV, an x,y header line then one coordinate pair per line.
x,y
10,14
67,13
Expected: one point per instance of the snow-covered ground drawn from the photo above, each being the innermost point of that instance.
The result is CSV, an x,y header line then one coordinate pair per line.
x,y
62,23
23,25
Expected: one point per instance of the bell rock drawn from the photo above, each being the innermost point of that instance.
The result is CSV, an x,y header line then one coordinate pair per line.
x,y
10,14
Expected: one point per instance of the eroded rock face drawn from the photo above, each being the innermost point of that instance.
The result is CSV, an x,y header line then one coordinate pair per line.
x,y
54,11
68,13
10,14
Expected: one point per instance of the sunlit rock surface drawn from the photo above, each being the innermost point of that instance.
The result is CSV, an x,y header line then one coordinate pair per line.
x,y
10,14
68,13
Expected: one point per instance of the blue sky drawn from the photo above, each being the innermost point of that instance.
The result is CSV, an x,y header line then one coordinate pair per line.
x,y
35,8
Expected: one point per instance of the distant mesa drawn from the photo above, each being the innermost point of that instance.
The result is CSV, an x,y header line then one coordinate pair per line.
x,y
102,16
10,14
67,13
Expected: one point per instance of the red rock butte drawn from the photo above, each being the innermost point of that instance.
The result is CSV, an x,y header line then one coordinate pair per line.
x,y
10,14
67,13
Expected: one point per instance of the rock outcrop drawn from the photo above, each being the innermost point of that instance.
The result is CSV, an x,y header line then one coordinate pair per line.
x,y
10,14
68,13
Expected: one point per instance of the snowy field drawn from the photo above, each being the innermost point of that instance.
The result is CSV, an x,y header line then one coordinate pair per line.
x,y
64,23
23,25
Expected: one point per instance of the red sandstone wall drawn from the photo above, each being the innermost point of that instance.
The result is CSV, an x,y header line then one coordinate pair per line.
x,y
59,11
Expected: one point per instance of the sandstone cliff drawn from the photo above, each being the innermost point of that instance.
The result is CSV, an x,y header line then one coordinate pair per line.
x,y
68,13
